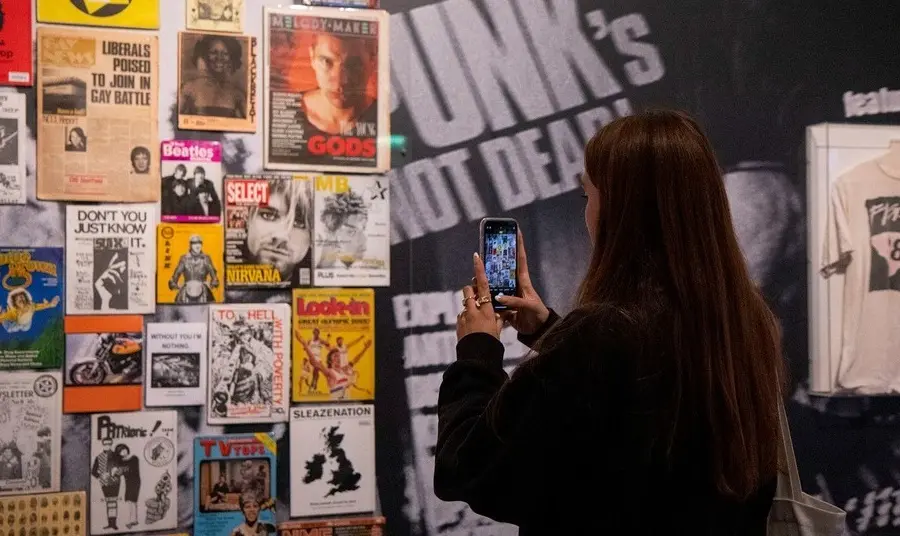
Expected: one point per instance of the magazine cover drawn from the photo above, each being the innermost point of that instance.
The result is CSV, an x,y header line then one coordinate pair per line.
x,y
327,80
110,251
268,231
176,364
249,368
12,152
352,247
30,416
16,44
216,82
97,114
234,485
103,363
356,526
134,468
215,15
191,181
31,309
334,344
61,513
189,264
141,14
332,451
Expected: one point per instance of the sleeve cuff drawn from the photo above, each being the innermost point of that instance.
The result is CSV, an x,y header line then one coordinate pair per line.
x,y
530,339
481,347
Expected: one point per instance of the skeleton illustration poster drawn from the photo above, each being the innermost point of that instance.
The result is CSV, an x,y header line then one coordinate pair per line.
x,y
133,470
30,415
249,367
189,264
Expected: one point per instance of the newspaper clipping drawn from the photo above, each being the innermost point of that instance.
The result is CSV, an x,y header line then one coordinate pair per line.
x,y
268,233
215,15
97,116
327,81
12,149
353,243
191,181
15,44
216,82
110,252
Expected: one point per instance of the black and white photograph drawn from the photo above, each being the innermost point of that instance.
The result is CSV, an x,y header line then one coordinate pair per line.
x,y
176,363
174,371
13,146
140,160
215,15
64,96
9,141
214,82
76,140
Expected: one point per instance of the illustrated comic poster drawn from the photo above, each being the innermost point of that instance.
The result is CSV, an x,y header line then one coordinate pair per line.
x,y
141,14
268,231
30,416
249,363
62,513
97,115
332,452
355,526
191,181
133,472
334,344
31,308
110,252
234,484
326,78
215,15
15,44
352,246
104,358
216,82
176,364
189,264
12,149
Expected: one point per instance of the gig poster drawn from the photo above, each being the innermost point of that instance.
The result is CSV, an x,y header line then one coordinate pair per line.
x,y
97,113
327,80
141,14
16,66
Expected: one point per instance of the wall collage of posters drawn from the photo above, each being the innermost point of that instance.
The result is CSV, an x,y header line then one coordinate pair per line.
x,y
202,209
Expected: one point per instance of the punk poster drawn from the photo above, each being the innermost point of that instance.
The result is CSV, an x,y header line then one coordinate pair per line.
x,y
97,115
60,513
175,364
234,484
327,80
12,149
334,344
268,231
133,470
189,264
31,309
352,247
190,191
110,252
16,67
216,82
355,526
332,453
140,14
249,363
215,15
104,359
30,415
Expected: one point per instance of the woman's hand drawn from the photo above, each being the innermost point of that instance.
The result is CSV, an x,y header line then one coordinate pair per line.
x,y
527,312
478,314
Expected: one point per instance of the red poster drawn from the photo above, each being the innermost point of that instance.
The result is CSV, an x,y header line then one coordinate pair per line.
x,y
15,43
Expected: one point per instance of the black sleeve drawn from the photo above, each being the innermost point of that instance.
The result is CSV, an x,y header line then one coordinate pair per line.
x,y
529,340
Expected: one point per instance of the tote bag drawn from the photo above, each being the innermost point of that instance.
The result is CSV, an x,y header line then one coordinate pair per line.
x,y
793,512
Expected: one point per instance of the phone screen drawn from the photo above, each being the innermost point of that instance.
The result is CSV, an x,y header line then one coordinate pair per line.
x,y
500,258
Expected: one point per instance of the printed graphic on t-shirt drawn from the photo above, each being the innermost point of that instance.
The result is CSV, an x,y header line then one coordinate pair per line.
x,y
884,233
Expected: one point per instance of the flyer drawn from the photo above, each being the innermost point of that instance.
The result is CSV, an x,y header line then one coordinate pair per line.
x,y
12,149
215,15
16,45
141,14
323,114
97,115
191,186
176,364
189,264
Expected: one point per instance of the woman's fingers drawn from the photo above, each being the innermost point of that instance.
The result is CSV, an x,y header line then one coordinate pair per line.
x,y
522,263
481,282
514,302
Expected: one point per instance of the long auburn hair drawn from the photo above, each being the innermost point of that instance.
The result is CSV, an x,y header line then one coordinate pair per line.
x,y
664,223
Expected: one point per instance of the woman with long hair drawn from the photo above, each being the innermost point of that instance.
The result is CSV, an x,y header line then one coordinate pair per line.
x,y
652,408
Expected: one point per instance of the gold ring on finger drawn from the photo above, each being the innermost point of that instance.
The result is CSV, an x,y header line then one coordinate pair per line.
x,y
482,300
467,298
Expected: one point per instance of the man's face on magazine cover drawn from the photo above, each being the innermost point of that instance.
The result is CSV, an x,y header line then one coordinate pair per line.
x,y
343,67
277,234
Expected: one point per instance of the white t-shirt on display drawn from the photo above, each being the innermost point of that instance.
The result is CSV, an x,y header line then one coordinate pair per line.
x,y
862,240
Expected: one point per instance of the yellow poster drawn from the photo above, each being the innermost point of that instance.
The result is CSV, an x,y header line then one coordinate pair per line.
x,y
334,344
142,14
189,264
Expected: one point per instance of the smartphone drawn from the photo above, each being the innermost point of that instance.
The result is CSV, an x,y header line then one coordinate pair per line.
x,y
497,247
